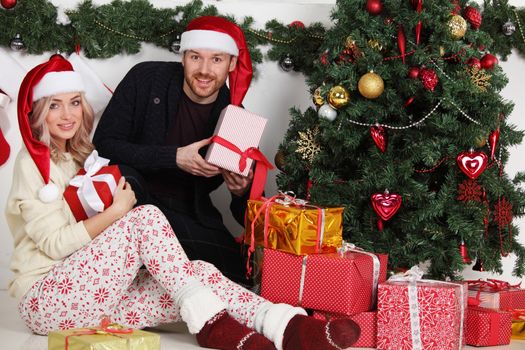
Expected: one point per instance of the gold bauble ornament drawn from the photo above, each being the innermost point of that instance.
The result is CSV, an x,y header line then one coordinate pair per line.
x,y
457,27
338,97
349,42
317,98
374,44
481,141
441,51
279,160
371,85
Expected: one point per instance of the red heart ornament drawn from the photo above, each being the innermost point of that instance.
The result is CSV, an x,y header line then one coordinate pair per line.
x,y
472,163
379,136
386,204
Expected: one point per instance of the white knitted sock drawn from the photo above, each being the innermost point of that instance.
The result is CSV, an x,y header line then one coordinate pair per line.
x,y
272,319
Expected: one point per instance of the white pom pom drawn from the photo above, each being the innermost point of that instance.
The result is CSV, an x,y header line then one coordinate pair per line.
x,y
48,193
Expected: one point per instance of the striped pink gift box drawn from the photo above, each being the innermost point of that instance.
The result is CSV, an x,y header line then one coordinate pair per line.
x,y
242,128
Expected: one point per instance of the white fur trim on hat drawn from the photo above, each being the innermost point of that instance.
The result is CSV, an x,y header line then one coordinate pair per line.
x,y
208,39
58,83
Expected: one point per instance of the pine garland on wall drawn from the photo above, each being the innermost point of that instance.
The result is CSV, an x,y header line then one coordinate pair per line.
x,y
120,27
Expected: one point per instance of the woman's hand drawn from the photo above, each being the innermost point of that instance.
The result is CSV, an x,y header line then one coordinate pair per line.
x,y
124,198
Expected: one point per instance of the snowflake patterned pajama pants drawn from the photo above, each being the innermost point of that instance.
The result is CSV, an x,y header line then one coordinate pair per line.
x,y
105,278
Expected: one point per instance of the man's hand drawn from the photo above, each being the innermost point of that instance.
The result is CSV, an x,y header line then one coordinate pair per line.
x,y
189,160
237,184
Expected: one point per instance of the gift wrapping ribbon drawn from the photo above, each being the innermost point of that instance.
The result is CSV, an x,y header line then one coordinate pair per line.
x,y
349,247
262,165
492,285
105,328
286,199
412,276
87,194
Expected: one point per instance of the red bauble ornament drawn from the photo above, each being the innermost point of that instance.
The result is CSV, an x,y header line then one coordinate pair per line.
x,y
413,72
296,25
457,7
472,163
409,101
429,78
493,142
8,4
473,16
474,62
419,26
401,41
379,136
374,7
488,61
385,205
464,253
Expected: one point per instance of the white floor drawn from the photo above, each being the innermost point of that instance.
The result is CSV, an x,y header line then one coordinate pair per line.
x,y
15,336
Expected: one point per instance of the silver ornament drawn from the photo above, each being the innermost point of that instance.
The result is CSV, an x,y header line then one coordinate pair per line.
x,y
326,111
17,44
286,63
175,45
508,28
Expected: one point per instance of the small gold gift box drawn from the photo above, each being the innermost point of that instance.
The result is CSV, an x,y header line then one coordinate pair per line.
x,y
113,337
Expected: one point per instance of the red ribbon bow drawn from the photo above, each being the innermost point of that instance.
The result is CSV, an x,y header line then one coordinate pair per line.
x,y
106,327
261,168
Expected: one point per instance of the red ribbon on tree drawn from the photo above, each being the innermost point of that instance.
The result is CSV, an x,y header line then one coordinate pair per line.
x,y
262,164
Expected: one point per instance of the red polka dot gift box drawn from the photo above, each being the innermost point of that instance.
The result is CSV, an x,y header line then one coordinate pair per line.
x,y
367,321
413,313
339,282
488,327
91,190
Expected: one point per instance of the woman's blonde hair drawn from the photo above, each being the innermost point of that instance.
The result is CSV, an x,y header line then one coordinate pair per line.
x,y
79,146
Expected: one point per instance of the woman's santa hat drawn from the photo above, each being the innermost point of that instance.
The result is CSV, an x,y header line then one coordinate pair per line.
x,y
217,33
55,76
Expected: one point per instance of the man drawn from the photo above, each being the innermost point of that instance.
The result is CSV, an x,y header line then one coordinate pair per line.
x,y
158,124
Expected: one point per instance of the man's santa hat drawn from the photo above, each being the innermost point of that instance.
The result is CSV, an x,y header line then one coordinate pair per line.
x,y
55,76
217,33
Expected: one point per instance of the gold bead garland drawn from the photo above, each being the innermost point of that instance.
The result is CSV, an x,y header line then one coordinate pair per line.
x,y
131,36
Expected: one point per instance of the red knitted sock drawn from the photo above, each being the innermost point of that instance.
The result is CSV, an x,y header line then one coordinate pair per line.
x,y
225,333
308,333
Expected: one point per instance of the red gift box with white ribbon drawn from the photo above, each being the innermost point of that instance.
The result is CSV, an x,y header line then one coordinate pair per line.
x,y
488,327
415,313
91,190
344,283
367,321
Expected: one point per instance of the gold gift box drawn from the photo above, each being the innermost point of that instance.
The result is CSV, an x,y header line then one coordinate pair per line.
x,y
80,339
293,228
518,329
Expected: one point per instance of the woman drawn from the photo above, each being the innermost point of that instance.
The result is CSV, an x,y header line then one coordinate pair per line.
x,y
68,274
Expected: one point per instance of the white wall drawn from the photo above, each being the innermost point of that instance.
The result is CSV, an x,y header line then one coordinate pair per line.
x,y
271,95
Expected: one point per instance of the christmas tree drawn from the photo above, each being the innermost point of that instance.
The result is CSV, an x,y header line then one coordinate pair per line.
x,y
410,135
